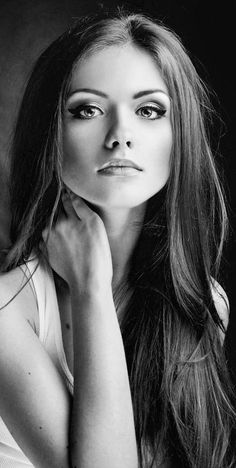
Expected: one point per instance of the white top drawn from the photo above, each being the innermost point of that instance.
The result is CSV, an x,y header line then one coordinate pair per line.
x,y
50,335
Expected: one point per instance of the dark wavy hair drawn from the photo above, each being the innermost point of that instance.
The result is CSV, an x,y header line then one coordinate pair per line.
x,y
181,391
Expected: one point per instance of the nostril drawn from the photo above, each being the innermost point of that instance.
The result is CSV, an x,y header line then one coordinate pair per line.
x,y
116,143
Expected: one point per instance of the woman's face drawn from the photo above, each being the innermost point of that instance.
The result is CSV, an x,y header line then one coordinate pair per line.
x,y
117,133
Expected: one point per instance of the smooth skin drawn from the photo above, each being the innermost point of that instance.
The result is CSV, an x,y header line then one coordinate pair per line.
x,y
128,123
89,248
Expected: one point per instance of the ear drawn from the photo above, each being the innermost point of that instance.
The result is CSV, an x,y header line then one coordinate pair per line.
x,y
221,304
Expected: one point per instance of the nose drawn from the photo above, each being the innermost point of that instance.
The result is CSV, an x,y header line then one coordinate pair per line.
x,y
118,135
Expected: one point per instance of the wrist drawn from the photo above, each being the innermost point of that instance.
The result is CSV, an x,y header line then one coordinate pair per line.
x,y
90,292
92,304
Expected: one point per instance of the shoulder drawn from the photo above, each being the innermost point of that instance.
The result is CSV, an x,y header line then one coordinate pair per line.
x,y
17,297
221,303
34,400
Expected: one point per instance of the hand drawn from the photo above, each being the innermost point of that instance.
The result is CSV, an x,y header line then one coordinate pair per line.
x,y
78,247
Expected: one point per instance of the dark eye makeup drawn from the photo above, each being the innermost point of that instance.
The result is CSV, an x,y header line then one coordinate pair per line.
x,y
147,112
79,112
88,111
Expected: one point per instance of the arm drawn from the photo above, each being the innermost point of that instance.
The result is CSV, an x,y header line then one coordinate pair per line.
x,y
102,430
35,405
34,402
102,427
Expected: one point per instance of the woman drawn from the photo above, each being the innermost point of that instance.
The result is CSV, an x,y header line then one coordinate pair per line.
x,y
118,224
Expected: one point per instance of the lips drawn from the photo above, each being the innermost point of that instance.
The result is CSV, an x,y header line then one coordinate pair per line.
x,y
119,163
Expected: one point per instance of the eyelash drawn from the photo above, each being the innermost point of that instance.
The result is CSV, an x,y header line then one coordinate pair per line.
x,y
76,111
161,111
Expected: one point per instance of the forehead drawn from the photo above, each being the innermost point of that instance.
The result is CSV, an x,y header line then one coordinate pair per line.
x,y
117,68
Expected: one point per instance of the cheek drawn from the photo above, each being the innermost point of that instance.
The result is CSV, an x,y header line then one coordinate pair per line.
x,y
75,151
159,148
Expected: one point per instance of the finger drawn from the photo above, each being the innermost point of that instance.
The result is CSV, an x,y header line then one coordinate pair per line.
x,y
68,206
80,206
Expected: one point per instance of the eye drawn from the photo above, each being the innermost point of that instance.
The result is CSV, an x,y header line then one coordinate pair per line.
x,y
85,112
151,112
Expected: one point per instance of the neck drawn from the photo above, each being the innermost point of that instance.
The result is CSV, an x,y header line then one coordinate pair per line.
x,y
123,227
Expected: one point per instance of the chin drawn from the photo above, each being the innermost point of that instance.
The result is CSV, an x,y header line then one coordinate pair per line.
x,y
114,199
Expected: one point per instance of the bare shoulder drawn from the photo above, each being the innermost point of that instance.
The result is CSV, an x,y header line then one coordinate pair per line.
x,y
221,303
34,400
17,297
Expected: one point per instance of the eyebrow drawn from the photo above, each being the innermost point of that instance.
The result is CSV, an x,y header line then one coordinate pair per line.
x,y
100,93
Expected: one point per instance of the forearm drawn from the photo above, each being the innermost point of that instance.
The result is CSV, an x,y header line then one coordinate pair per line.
x,y
102,426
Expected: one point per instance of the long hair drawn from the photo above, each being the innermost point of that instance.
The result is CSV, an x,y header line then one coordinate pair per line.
x,y
182,397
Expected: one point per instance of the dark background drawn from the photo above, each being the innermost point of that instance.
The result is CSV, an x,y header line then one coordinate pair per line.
x,y
207,30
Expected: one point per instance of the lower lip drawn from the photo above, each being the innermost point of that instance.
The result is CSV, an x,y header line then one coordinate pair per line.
x,y
119,171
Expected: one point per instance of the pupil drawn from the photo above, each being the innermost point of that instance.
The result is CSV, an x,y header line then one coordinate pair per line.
x,y
147,112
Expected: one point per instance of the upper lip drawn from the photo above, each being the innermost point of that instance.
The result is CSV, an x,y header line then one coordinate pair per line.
x,y
120,163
